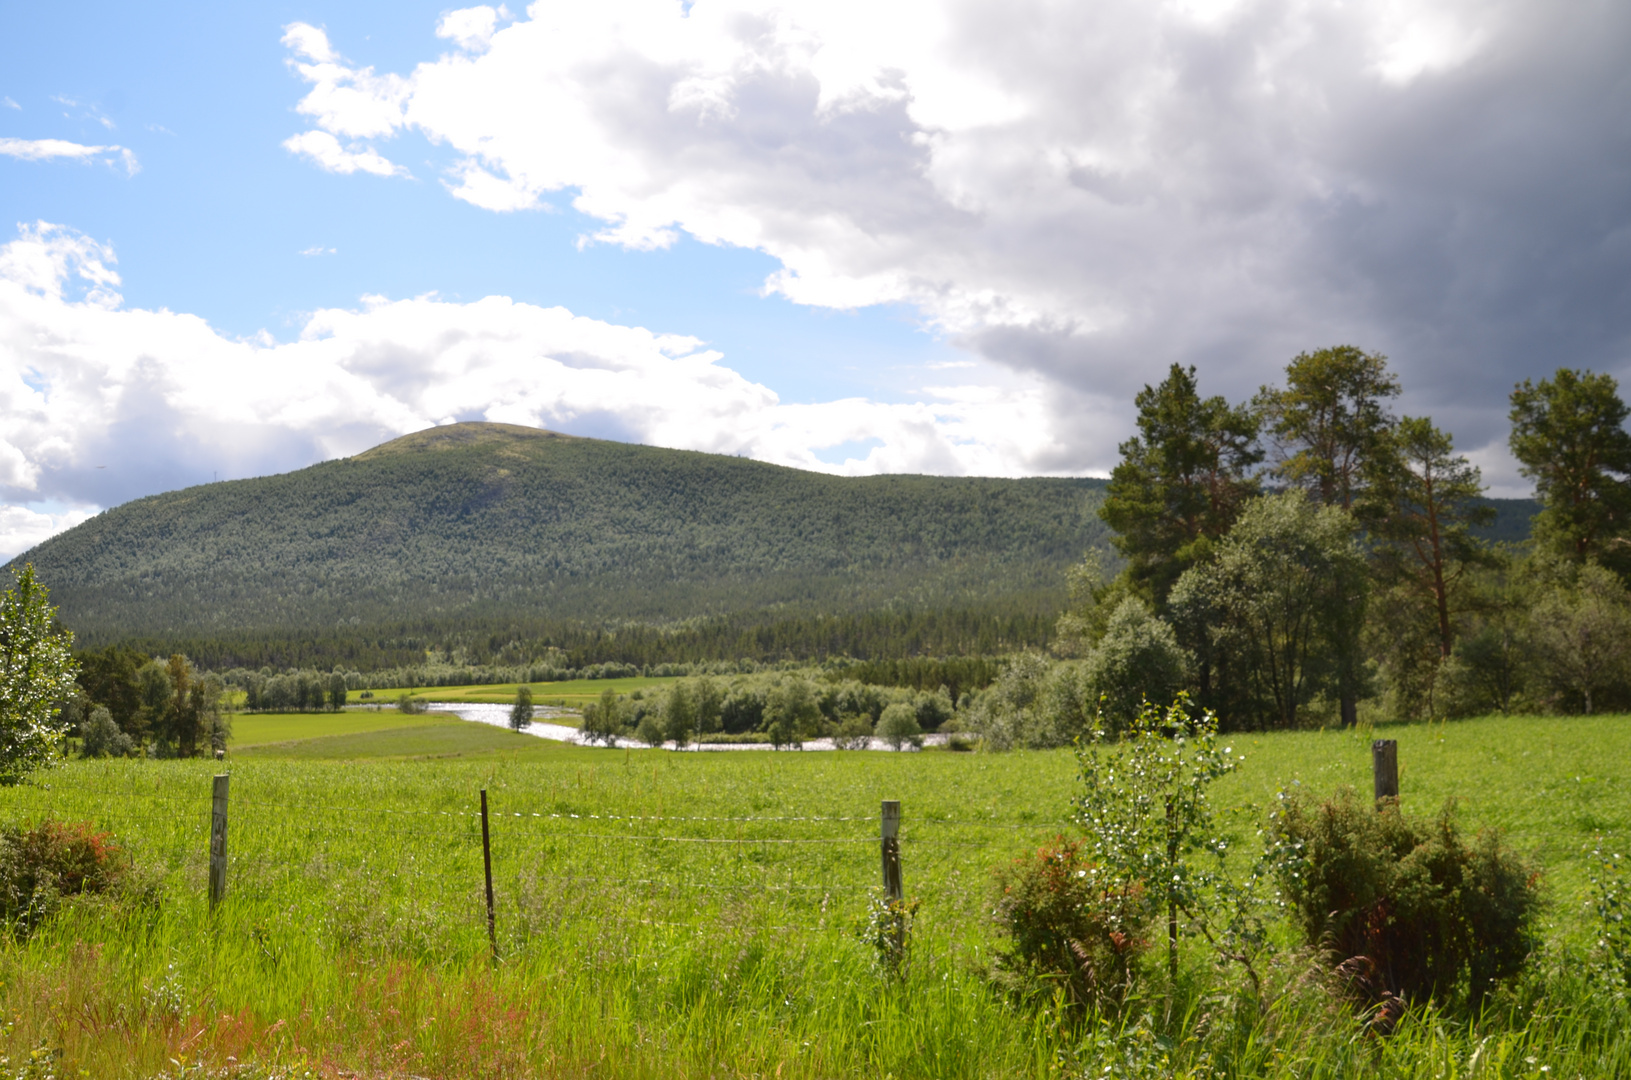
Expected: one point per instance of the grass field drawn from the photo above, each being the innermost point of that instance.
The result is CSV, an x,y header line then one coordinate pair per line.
x,y
258,729
573,694
672,914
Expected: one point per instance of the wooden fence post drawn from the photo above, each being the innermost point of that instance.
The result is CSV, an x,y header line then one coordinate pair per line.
x,y
890,836
1384,757
218,841
487,865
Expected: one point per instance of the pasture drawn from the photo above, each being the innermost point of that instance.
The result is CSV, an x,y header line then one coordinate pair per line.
x,y
572,693
695,914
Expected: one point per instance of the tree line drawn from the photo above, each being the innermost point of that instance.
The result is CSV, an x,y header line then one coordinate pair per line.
x,y
472,640
1298,557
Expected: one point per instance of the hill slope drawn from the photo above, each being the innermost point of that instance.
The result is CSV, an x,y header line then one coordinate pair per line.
x,y
485,522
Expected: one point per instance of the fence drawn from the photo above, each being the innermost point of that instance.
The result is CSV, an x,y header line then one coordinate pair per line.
x,y
502,867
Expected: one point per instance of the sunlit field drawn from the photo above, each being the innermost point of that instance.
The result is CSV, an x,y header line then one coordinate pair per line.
x,y
695,914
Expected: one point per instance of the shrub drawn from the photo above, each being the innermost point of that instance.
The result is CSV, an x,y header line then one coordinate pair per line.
x,y
40,865
1432,915
1069,925
888,931
411,705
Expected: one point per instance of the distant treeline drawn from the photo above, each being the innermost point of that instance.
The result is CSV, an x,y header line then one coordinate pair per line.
x,y
564,646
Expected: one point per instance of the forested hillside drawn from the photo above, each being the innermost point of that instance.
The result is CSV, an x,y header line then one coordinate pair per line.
x,y
482,533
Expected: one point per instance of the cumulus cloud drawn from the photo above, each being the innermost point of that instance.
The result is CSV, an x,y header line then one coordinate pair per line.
x,y
21,527
1085,192
325,151
48,149
160,399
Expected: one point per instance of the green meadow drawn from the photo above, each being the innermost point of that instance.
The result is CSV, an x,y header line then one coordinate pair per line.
x,y
573,693
695,914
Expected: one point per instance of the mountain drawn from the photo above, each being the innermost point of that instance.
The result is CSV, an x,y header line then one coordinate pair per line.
x,y
496,541
493,525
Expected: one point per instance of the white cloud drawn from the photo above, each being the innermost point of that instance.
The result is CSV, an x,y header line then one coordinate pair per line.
x,y
22,527
471,28
50,149
1085,191
312,252
162,399
325,151
10,104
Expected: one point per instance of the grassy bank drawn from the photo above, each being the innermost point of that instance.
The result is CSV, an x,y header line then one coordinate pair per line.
x,y
694,914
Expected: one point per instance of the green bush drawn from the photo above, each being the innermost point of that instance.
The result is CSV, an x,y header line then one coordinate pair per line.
x,y
40,865
1068,926
1434,916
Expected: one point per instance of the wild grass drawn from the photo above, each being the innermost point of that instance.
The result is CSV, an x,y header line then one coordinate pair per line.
x,y
694,915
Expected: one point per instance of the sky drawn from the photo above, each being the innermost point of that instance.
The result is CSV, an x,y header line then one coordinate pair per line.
x,y
950,237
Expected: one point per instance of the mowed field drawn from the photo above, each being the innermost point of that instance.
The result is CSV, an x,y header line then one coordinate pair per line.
x,y
695,914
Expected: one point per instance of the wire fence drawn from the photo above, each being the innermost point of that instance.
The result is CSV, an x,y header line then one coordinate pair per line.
x,y
789,868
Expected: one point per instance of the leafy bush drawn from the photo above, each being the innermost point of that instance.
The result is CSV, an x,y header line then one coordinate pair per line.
x,y
888,930
410,705
1069,925
1144,805
1433,915
40,865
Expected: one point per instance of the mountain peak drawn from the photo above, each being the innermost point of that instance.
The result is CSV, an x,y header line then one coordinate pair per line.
x,y
457,436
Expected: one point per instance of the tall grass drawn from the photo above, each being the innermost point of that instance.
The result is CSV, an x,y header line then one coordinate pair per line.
x,y
634,942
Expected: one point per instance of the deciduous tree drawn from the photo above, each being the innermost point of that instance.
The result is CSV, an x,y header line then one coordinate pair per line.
x,y
521,711
36,672
1284,599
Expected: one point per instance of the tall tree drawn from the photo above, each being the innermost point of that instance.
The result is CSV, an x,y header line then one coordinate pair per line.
x,y
1568,433
109,678
1422,505
1329,420
1181,481
36,672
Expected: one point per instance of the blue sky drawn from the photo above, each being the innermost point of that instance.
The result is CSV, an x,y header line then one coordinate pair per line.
x,y
928,236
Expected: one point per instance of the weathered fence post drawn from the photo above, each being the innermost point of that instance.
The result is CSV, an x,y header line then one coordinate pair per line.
x,y
890,836
218,841
487,865
1384,757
